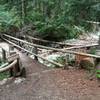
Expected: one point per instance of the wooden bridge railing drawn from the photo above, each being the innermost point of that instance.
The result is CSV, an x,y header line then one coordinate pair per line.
x,y
69,45
10,63
47,41
9,39
8,67
50,48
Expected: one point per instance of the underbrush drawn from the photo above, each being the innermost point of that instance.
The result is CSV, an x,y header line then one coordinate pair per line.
x,y
4,75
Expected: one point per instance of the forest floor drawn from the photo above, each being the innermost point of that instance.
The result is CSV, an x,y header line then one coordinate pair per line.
x,y
55,84
50,84
44,83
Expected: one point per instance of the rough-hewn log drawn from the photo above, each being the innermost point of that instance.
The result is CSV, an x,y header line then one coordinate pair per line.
x,y
8,67
3,55
59,50
47,41
78,47
55,63
60,43
36,52
99,43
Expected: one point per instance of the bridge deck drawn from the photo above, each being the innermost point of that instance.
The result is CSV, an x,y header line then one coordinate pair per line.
x,y
31,65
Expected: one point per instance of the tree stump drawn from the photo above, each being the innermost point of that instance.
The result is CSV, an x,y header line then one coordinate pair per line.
x,y
88,64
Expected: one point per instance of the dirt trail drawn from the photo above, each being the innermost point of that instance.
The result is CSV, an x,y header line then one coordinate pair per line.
x,y
54,84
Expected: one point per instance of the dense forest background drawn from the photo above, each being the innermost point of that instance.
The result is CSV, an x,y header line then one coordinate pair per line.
x,y
48,19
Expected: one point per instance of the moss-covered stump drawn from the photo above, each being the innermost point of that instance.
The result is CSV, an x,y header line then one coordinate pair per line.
x,y
89,65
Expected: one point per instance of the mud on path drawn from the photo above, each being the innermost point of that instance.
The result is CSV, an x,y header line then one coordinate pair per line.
x,y
52,84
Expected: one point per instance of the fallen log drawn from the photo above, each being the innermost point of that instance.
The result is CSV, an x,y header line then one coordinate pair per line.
x,y
55,49
55,63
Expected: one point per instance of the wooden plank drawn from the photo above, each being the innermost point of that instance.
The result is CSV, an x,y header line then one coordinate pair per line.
x,y
60,43
59,50
45,47
12,57
78,47
47,41
55,63
4,46
31,44
8,67
5,64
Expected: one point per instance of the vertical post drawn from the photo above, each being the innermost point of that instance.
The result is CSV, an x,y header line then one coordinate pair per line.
x,y
98,69
20,69
36,52
17,66
15,71
98,51
11,72
65,63
3,55
99,42
98,62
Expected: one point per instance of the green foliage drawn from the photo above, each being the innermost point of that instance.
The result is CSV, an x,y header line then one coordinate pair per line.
x,y
60,60
53,19
8,19
4,75
55,28
93,51
71,62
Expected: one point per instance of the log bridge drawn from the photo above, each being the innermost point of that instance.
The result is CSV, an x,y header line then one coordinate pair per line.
x,y
32,48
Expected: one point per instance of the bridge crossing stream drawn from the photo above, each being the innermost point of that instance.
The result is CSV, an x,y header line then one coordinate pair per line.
x,y
42,83
52,84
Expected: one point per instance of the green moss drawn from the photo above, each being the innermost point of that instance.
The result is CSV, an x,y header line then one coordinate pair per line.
x,y
4,75
60,60
71,62
93,51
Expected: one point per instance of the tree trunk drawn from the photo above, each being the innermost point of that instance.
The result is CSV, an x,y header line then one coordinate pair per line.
x,y
23,10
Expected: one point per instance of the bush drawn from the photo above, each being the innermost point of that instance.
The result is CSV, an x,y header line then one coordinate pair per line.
x,y
92,51
54,30
61,60
8,19
4,75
